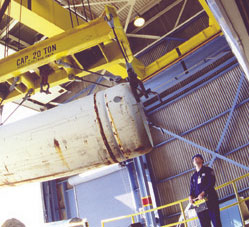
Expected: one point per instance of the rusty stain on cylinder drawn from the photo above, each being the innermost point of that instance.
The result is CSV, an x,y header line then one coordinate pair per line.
x,y
6,168
112,156
115,131
140,149
128,152
58,149
8,174
6,182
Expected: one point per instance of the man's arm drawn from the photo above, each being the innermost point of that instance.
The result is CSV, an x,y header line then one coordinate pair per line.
x,y
210,183
192,191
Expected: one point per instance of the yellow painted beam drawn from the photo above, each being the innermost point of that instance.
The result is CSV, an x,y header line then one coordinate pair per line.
x,y
185,48
85,36
119,30
64,46
44,16
67,43
212,20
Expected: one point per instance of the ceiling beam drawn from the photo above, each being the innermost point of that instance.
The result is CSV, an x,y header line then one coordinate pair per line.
x,y
4,8
181,12
18,40
122,8
8,28
158,15
132,3
143,36
168,33
98,3
6,31
46,17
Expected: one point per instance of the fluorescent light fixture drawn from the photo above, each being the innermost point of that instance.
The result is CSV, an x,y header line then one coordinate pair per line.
x,y
139,21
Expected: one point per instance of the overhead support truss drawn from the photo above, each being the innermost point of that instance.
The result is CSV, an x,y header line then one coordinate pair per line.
x,y
46,16
90,47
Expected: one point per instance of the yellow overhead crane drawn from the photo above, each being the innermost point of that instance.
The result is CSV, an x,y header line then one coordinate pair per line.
x,y
90,46
74,46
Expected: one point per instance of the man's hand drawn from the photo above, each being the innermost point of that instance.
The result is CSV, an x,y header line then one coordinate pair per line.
x,y
190,198
201,195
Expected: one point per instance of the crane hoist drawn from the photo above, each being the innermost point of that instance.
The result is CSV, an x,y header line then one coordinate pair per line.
x,y
97,130
88,48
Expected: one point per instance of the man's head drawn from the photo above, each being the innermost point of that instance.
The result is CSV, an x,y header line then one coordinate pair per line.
x,y
198,160
13,223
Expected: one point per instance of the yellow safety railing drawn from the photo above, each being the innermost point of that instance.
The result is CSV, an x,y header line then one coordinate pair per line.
x,y
180,203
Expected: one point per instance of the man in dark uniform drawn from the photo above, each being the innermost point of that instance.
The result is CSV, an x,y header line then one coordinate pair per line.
x,y
202,186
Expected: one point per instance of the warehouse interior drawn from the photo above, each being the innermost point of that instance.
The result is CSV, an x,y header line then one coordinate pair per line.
x,y
187,67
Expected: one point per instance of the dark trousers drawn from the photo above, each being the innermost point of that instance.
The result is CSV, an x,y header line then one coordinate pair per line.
x,y
210,215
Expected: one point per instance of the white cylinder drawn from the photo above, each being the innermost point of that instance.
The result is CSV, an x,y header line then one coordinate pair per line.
x,y
94,131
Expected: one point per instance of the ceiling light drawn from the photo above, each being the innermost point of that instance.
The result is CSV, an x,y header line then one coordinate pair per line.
x,y
139,21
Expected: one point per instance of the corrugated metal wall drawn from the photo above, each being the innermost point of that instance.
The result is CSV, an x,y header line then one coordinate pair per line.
x,y
198,107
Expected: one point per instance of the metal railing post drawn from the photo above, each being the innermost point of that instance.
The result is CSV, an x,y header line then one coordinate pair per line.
x,y
238,200
132,219
184,217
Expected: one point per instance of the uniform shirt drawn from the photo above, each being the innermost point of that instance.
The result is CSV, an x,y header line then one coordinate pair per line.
x,y
204,180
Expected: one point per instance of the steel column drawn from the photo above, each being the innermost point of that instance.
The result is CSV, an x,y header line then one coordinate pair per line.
x,y
199,147
134,185
228,119
65,199
46,199
144,190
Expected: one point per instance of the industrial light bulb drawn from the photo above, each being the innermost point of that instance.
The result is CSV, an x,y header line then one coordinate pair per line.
x,y
139,21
